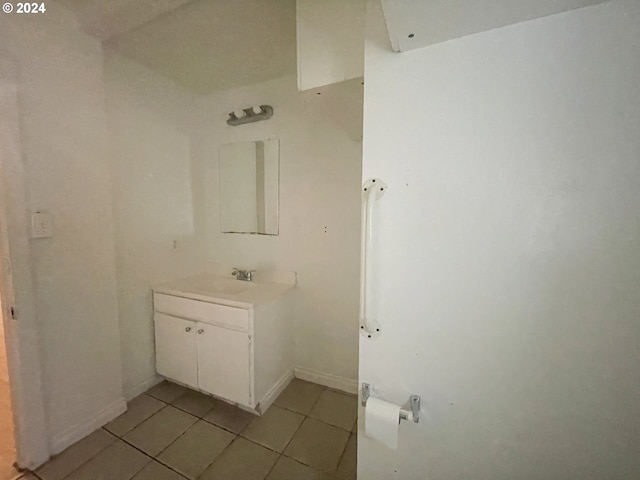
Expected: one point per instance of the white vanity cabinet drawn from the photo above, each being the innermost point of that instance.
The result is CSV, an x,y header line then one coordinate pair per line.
x,y
204,356
241,353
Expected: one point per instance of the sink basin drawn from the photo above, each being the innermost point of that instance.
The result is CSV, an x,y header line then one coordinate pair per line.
x,y
225,290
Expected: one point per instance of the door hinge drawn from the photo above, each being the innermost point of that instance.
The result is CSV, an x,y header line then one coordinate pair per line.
x,y
13,313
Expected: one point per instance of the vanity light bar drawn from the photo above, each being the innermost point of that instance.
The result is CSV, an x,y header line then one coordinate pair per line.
x,y
250,115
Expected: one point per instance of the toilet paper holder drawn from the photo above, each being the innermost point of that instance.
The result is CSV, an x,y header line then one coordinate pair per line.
x,y
414,402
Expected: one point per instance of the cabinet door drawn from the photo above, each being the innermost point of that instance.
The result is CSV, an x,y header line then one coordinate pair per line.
x,y
176,349
223,363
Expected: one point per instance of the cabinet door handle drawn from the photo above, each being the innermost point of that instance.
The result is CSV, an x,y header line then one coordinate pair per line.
x,y
200,331
188,329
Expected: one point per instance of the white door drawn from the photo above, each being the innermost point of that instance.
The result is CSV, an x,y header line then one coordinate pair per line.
x,y
223,363
505,258
176,349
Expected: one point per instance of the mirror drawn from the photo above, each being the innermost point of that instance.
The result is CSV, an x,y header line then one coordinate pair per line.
x,y
249,176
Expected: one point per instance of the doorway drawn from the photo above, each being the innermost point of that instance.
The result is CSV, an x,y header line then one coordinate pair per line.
x,y
23,430
7,439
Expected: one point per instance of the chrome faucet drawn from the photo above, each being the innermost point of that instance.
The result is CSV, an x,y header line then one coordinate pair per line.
x,y
245,275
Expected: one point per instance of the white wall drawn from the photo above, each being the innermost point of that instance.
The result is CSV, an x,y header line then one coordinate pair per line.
x,y
63,128
319,214
330,41
16,283
507,258
156,231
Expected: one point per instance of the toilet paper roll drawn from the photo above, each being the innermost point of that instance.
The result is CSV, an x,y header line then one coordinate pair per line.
x,y
381,421
257,110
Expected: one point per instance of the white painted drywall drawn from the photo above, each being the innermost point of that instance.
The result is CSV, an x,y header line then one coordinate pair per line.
x,y
63,127
416,23
330,41
507,267
156,230
16,283
319,220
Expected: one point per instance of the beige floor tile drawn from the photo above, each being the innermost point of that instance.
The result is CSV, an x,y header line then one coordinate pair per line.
x,y
157,471
229,417
318,445
195,403
288,469
336,409
138,410
74,456
274,429
196,449
300,396
166,391
243,460
157,432
119,461
348,467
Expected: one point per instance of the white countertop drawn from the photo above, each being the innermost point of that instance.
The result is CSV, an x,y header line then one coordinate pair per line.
x,y
208,288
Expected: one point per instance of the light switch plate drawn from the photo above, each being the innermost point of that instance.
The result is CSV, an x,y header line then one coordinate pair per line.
x,y
41,225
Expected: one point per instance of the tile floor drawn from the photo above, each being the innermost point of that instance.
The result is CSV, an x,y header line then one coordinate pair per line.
x,y
172,433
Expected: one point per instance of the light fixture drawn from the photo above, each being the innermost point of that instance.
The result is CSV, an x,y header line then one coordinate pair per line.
x,y
250,115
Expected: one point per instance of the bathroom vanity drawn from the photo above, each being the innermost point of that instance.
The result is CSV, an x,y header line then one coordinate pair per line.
x,y
227,337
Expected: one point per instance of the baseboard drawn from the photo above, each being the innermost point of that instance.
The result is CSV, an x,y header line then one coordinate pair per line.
x,y
142,386
275,392
78,432
332,381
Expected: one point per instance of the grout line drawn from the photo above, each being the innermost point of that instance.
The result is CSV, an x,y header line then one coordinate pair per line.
x,y
142,468
89,459
220,454
201,417
152,458
348,430
321,421
137,425
306,416
173,441
22,474
223,428
226,428
156,398
344,452
273,466
142,451
176,439
162,399
304,419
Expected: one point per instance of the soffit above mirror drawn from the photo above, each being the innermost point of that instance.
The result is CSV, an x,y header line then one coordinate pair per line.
x,y
417,23
103,19
202,45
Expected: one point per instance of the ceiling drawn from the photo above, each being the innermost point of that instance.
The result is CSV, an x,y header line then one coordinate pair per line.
x,y
210,45
104,19
202,45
